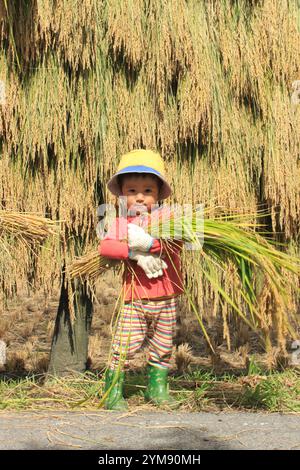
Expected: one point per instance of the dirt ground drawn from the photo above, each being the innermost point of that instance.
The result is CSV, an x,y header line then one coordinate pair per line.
x,y
27,323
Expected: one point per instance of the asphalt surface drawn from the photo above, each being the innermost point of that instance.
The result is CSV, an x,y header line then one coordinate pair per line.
x,y
140,430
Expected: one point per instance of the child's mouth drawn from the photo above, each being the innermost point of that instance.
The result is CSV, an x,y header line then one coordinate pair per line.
x,y
137,209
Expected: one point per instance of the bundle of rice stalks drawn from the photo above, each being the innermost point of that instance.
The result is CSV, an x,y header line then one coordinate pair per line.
x,y
25,227
231,241
227,240
25,242
224,237
90,266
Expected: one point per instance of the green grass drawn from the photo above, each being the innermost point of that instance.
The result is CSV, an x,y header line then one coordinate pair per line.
x,y
256,390
276,392
195,391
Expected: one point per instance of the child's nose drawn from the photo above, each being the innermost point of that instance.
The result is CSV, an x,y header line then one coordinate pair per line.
x,y
140,197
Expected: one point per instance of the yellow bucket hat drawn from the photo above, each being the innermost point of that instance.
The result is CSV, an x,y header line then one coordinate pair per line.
x,y
141,161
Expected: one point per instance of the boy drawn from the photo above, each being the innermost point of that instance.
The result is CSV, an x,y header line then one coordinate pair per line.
x,y
152,278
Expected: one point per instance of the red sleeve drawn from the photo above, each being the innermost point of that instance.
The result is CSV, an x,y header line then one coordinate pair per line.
x,y
113,249
114,244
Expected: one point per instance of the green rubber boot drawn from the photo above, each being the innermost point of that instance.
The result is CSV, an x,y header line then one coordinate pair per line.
x,y
114,382
157,391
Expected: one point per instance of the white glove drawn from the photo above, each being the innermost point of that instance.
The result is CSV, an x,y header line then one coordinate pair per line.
x,y
151,264
138,239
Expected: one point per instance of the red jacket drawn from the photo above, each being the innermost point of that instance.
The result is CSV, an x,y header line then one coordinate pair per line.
x,y
136,284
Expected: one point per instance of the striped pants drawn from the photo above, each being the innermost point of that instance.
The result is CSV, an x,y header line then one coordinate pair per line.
x,y
145,323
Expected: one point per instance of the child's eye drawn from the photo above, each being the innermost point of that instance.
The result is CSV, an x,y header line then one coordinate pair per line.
x,y
148,190
131,190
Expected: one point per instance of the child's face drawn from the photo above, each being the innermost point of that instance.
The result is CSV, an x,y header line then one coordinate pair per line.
x,y
140,191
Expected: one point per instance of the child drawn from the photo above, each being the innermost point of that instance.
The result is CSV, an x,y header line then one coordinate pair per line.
x,y
152,279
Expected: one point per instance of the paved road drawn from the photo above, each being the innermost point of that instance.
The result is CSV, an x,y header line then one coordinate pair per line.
x,y
140,430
